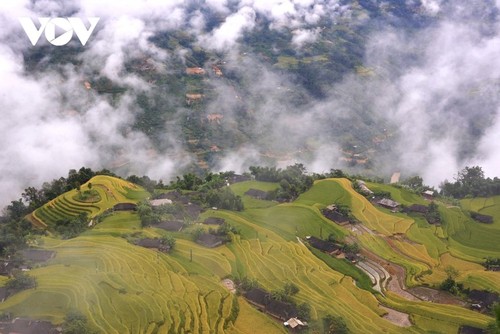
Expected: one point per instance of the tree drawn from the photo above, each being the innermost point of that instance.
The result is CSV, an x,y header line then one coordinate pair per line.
x,y
304,311
76,323
290,289
414,182
451,272
20,281
169,240
334,325
351,249
89,185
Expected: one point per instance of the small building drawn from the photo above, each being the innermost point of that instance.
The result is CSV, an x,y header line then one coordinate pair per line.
x,y
170,225
388,203
428,195
191,98
214,221
364,189
210,240
238,178
217,70
485,298
160,201
258,194
324,245
195,71
153,244
335,216
125,207
294,323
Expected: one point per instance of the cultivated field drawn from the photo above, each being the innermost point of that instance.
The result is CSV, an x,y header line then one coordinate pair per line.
x,y
123,288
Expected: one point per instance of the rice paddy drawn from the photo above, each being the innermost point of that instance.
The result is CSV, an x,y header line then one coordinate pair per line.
x,y
123,288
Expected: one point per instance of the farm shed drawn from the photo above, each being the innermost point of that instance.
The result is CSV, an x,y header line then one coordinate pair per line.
x,y
388,203
210,240
324,246
428,194
154,244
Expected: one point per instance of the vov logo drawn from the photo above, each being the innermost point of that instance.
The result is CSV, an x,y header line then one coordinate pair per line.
x,y
67,25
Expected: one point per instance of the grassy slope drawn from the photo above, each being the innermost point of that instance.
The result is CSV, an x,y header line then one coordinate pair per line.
x,y
100,273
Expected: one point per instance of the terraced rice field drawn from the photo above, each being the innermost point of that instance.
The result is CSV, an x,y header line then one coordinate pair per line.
x,y
123,288
111,191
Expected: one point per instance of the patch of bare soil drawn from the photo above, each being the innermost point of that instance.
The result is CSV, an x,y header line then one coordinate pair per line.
x,y
398,318
436,296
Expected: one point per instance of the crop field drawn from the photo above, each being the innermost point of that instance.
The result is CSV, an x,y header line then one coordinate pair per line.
x,y
110,191
123,288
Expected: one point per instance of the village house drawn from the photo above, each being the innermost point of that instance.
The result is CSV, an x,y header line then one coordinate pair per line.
x,y
191,98
153,244
264,302
331,212
428,195
324,245
210,240
294,323
195,71
364,189
388,203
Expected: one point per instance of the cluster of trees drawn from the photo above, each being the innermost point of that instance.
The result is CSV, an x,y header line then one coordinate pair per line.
x,y
150,216
20,281
334,325
433,216
72,227
450,284
471,182
35,198
224,198
77,323
292,180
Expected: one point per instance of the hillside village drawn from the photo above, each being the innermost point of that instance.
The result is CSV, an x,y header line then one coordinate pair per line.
x,y
211,225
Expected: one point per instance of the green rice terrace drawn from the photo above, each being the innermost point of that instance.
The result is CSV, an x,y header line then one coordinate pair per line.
x,y
122,287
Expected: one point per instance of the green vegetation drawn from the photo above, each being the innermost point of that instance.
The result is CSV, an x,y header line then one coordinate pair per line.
x,y
101,272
